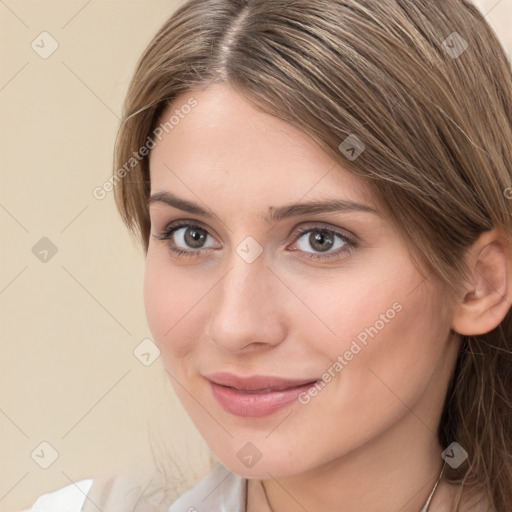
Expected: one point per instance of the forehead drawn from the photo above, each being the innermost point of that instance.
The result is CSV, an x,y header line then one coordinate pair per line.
x,y
223,145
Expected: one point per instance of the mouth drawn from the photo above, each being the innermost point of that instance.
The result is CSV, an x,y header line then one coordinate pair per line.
x,y
258,395
256,382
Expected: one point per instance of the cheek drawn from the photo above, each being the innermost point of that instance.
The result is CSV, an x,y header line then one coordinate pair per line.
x,y
157,304
166,300
355,306
397,358
389,335
175,307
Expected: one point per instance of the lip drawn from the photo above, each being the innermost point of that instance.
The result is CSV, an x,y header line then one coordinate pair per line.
x,y
255,396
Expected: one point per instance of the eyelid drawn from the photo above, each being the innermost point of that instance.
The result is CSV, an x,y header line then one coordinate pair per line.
x,y
300,229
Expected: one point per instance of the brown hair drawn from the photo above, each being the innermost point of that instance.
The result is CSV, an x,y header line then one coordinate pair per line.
x,y
427,88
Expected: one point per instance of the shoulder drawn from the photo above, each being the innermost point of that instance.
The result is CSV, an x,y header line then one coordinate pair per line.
x,y
220,490
123,492
70,498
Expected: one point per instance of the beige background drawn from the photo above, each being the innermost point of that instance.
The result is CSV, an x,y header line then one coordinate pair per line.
x,y
69,325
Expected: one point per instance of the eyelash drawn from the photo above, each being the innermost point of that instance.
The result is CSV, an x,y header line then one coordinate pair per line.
x,y
350,243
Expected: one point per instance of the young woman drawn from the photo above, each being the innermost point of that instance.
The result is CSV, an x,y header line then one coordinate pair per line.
x,y
322,191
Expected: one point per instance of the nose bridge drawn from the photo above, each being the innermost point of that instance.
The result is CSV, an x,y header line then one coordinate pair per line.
x,y
246,309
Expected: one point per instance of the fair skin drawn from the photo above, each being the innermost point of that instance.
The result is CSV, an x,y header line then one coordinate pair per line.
x,y
369,436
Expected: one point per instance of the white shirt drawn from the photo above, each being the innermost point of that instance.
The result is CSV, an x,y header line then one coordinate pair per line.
x,y
219,491
67,499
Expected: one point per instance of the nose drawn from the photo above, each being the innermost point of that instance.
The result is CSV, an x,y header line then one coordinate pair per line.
x,y
247,313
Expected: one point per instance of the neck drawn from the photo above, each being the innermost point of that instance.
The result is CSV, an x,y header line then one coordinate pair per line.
x,y
394,472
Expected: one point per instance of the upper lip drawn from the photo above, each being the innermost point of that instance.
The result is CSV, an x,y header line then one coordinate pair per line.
x,y
255,382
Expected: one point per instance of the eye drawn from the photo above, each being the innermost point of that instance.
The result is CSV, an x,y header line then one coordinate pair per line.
x,y
328,242
185,237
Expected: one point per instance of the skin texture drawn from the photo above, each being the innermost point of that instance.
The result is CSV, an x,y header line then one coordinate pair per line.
x,y
372,428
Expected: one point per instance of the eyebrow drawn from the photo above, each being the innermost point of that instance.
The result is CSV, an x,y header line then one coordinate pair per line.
x,y
274,214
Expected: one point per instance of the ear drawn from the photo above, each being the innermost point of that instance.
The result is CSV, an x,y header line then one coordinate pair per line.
x,y
486,300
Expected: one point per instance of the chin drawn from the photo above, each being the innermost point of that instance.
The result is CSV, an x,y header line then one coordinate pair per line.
x,y
263,469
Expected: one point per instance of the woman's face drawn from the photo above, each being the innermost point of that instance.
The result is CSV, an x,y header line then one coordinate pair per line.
x,y
327,300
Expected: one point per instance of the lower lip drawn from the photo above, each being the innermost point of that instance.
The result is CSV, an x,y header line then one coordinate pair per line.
x,y
256,404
